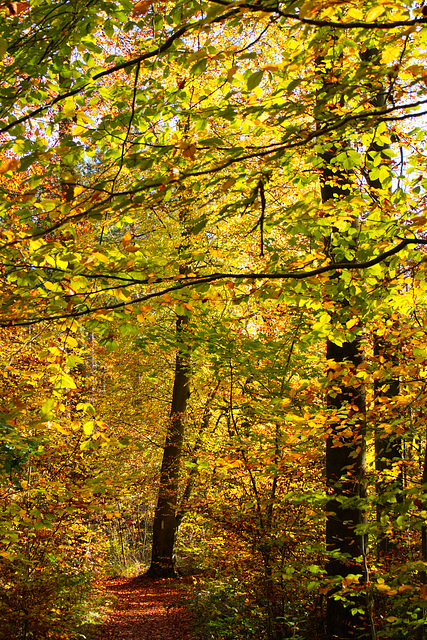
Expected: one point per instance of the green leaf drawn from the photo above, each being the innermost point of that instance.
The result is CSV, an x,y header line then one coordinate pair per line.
x,y
47,407
254,79
198,227
3,47
199,68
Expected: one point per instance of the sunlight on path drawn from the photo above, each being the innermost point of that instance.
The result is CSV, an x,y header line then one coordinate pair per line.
x,y
147,609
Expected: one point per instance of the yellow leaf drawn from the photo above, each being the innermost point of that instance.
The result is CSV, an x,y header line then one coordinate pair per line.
x,y
166,297
78,190
50,286
350,579
121,295
88,428
355,14
60,428
390,54
352,322
101,257
71,342
374,13
79,130
64,382
55,351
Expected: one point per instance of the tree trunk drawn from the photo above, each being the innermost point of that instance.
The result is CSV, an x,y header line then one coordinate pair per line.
x,y
345,470
204,426
345,445
421,631
165,521
388,447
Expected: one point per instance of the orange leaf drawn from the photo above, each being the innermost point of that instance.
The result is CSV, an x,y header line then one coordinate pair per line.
x,y
95,196
188,307
189,151
9,165
15,8
231,72
141,8
227,184
127,238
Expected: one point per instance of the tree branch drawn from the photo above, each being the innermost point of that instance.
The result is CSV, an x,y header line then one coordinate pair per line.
x,y
215,277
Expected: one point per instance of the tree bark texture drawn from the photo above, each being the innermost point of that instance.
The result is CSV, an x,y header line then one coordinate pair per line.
x,y
165,521
345,445
345,470
388,447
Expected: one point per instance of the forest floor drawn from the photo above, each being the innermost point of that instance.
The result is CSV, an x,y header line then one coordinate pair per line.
x,y
147,609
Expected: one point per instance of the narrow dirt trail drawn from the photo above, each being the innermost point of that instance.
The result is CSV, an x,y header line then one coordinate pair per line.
x,y
147,609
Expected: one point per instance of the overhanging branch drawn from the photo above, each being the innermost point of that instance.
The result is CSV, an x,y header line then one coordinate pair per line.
x,y
193,281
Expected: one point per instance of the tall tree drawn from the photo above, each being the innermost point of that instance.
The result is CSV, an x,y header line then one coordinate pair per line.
x,y
166,511
165,514
345,445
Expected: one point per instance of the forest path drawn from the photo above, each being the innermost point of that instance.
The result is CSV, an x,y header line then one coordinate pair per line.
x,y
147,609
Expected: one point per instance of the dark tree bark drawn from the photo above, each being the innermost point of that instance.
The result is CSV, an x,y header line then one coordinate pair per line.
x,y
165,520
345,471
204,426
345,446
421,631
388,447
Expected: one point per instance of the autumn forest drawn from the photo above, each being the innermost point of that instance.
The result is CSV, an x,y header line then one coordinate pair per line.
x,y
213,326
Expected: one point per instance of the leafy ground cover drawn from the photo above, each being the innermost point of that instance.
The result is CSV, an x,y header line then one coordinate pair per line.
x,y
146,609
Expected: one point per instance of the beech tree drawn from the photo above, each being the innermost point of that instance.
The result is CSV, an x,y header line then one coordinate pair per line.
x,y
299,178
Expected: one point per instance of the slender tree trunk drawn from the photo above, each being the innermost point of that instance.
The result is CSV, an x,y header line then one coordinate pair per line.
x,y
207,414
421,631
388,447
165,521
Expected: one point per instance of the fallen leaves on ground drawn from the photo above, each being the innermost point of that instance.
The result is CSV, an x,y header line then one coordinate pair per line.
x,y
147,609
